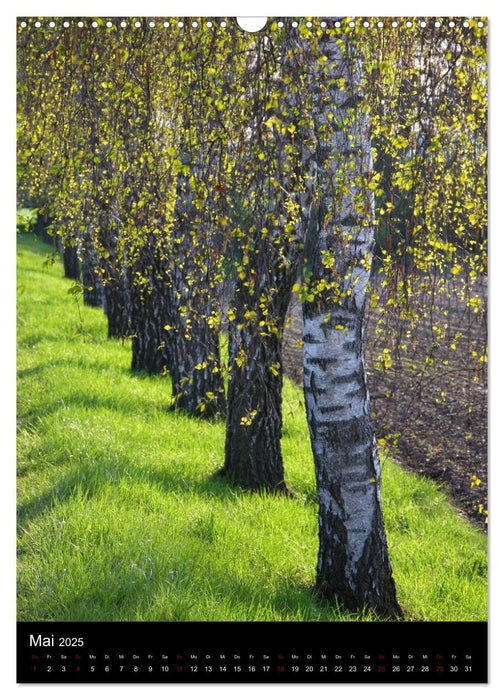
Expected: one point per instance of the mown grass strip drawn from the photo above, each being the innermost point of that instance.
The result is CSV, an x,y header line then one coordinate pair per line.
x,y
121,516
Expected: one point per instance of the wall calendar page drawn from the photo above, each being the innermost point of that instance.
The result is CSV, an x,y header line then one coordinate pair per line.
x,y
252,349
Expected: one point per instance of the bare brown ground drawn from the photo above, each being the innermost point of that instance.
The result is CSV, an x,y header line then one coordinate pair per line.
x,y
436,423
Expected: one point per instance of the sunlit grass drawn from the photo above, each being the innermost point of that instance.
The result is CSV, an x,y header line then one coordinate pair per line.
x,y
121,516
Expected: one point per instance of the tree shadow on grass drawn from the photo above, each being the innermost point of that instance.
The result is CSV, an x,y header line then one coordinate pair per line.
x,y
125,590
80,363
90,477
284,598
86,400
173,592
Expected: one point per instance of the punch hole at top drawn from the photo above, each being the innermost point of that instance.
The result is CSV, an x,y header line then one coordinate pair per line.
x,y
252,24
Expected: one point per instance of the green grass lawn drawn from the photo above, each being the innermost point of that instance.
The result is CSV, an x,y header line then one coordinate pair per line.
x,y
121,517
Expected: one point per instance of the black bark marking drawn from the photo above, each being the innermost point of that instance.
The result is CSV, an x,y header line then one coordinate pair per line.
x,y
308,338
333,407
324,362
312,386
351,221
356,393
348,378
352,102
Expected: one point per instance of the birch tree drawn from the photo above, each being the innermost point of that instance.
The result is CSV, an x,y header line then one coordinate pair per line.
x,y
269,185
200,107
353,561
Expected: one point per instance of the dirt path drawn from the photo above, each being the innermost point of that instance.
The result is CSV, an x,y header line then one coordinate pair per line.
x,y
437,424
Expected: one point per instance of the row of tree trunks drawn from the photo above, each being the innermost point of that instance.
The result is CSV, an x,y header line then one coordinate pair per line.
x,y
321,161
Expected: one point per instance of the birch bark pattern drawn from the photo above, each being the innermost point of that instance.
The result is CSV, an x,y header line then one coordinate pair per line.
x,y
353,561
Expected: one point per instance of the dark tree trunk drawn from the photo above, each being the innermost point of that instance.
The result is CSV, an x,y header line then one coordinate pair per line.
x,y
270,259
116,274
41,229
71,265
150,352
195,369
146,350
91,280
92,286
116,305
193,337
253,455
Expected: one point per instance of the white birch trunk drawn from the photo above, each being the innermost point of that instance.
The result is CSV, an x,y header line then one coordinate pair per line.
x,y
353,562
